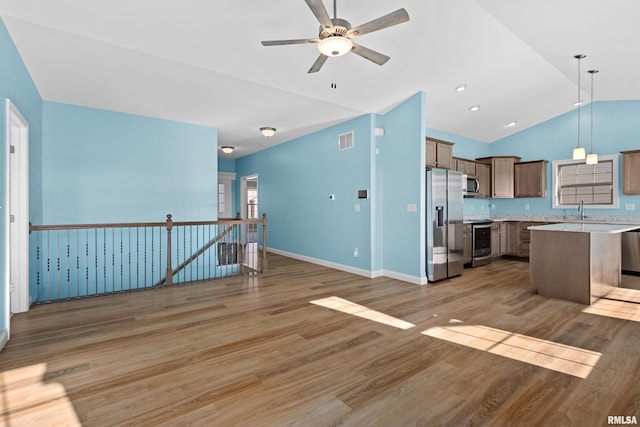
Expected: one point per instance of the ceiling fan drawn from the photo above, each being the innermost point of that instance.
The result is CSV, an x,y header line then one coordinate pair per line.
x,y
336,35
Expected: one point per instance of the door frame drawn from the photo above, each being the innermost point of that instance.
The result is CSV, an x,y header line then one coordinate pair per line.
x,y
243,202
17,255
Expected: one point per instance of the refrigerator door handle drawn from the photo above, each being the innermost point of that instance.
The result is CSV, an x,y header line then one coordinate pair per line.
x,y
439,216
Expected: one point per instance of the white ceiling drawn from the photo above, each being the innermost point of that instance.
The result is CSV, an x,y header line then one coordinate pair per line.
x,y
201,61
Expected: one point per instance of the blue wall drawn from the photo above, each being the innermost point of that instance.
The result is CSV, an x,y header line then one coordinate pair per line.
x,y
297,177
16,84
226,165
101,166
404,182
295,181
616,128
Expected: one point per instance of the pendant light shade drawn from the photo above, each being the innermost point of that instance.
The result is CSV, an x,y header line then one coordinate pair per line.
x,y
579,152
592,158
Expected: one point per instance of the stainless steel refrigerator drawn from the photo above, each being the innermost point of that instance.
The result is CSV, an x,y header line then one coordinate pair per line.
x,y
444,224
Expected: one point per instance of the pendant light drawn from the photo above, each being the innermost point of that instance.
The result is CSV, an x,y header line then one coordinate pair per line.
x,y
592,158
579,152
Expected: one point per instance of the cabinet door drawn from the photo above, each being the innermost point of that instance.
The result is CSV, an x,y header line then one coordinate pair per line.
x,y
467,243
530,179
444,155
483,172
631,172
513,238
502,177
495,240
503,238
430,148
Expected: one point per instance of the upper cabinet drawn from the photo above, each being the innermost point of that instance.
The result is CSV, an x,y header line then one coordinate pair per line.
x,y
483,173
631,172
530,179
465,166
502,175
439,154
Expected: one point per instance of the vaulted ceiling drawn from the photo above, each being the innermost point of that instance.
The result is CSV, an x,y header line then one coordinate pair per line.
x,y
201,61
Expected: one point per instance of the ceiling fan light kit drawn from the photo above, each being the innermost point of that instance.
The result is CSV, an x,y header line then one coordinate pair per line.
x,y
335,37
335,46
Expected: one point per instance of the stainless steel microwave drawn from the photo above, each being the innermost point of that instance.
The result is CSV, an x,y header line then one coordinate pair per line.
x,y
470,186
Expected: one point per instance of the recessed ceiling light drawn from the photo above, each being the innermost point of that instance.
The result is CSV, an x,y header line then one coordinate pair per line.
x,y
461,88
511,124
474,108
577,103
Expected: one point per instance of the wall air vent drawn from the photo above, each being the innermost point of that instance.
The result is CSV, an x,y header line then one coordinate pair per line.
x,y
345,141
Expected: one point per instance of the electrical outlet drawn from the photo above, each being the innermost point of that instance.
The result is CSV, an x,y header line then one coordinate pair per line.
x,y
355,252
356,207
630,207
526,206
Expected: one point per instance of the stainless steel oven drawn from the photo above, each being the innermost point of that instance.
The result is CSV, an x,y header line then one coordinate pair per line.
x,y
481,242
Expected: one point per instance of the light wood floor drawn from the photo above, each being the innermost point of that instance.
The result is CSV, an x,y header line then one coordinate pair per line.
x,y
276,350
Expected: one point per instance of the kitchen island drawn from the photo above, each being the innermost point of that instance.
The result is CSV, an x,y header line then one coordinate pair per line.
x,y
577,262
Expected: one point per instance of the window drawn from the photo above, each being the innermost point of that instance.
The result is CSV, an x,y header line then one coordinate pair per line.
x,y
225,194
595,185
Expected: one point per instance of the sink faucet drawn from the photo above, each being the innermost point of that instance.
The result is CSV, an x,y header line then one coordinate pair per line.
x,y
581,209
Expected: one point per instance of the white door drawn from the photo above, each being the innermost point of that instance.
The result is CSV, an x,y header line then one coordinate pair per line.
x,y
17,214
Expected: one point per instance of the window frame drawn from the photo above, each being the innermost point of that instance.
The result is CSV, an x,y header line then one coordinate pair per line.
x,y
614,183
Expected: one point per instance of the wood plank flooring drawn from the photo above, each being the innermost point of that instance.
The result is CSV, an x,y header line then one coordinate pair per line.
x,y
276,350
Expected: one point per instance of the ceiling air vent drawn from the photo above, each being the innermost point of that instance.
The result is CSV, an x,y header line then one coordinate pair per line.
x,y
345,141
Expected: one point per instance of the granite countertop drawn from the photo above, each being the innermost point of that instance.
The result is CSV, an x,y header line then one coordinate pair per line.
x,y
585,227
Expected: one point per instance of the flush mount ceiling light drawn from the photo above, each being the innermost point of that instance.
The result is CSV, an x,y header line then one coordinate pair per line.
x,y
461,88
268,131
592,158
227,149
579,152
474,108
335,46
511,124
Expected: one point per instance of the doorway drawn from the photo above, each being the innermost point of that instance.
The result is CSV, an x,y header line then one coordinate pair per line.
x,y
249,207
17,216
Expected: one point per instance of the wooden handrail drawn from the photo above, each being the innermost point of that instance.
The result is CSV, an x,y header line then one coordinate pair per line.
x,y
170,272
229,226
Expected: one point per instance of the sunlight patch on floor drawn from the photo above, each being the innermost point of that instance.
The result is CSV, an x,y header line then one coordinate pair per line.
x,y
346,306
620,304
547,354
24,396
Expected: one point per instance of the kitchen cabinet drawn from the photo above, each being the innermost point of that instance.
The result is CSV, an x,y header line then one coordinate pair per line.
x,y
467,243
465,166
502,180
439,154
495,240
519,237
483,173
631,172
530,179
503,237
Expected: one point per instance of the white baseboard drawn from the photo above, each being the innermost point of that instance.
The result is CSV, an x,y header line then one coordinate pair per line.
x,y
371,274
4,338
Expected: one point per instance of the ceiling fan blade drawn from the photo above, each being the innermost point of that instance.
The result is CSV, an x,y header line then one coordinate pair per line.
x,y
318,64
369,54
293,41
320,12
386,21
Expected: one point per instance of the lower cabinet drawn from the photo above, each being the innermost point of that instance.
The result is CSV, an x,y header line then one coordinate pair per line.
x,y
495,240
519,237
467,246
